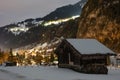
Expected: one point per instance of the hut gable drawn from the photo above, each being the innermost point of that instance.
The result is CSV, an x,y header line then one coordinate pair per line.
x,y
89,46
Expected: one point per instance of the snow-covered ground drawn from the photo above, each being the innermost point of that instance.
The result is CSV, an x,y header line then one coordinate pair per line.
x,y
52,73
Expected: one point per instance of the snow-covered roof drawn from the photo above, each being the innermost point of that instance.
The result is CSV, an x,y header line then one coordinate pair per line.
x,y
89,46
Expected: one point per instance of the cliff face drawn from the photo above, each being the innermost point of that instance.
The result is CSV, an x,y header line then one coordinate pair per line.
x,y
100,19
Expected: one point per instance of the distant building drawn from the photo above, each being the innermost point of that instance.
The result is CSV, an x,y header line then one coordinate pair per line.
x,y
75,53
118,60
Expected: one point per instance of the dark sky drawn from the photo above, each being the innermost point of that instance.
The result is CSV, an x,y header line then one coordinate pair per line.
x,y
17,10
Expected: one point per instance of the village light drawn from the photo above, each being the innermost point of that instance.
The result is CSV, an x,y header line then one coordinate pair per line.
x,y
56,22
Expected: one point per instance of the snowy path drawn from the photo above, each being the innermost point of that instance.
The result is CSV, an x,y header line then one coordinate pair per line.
x,y
6,75
53,73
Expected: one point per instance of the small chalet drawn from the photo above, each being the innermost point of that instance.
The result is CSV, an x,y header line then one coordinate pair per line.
x,y
79,53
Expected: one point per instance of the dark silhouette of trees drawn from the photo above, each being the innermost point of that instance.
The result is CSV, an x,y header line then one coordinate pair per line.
x,y
52,57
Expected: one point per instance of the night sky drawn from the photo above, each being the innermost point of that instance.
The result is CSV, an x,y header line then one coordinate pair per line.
x,y
18,10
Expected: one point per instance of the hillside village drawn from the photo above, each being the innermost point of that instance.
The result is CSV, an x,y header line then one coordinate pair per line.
x,y
35,54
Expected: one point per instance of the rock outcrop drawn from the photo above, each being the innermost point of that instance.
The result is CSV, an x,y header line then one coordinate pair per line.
x,y
100,19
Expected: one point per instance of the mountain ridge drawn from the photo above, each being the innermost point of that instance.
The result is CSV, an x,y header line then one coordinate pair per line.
x,y
33,30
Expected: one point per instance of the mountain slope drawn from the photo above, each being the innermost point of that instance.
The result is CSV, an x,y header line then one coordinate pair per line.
x,y
100,19
39,34
66,11
56,24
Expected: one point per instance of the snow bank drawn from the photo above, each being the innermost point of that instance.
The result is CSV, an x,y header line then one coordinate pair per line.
x,y
54,73
7,75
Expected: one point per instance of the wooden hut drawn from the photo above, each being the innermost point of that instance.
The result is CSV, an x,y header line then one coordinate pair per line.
x,y
75,53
